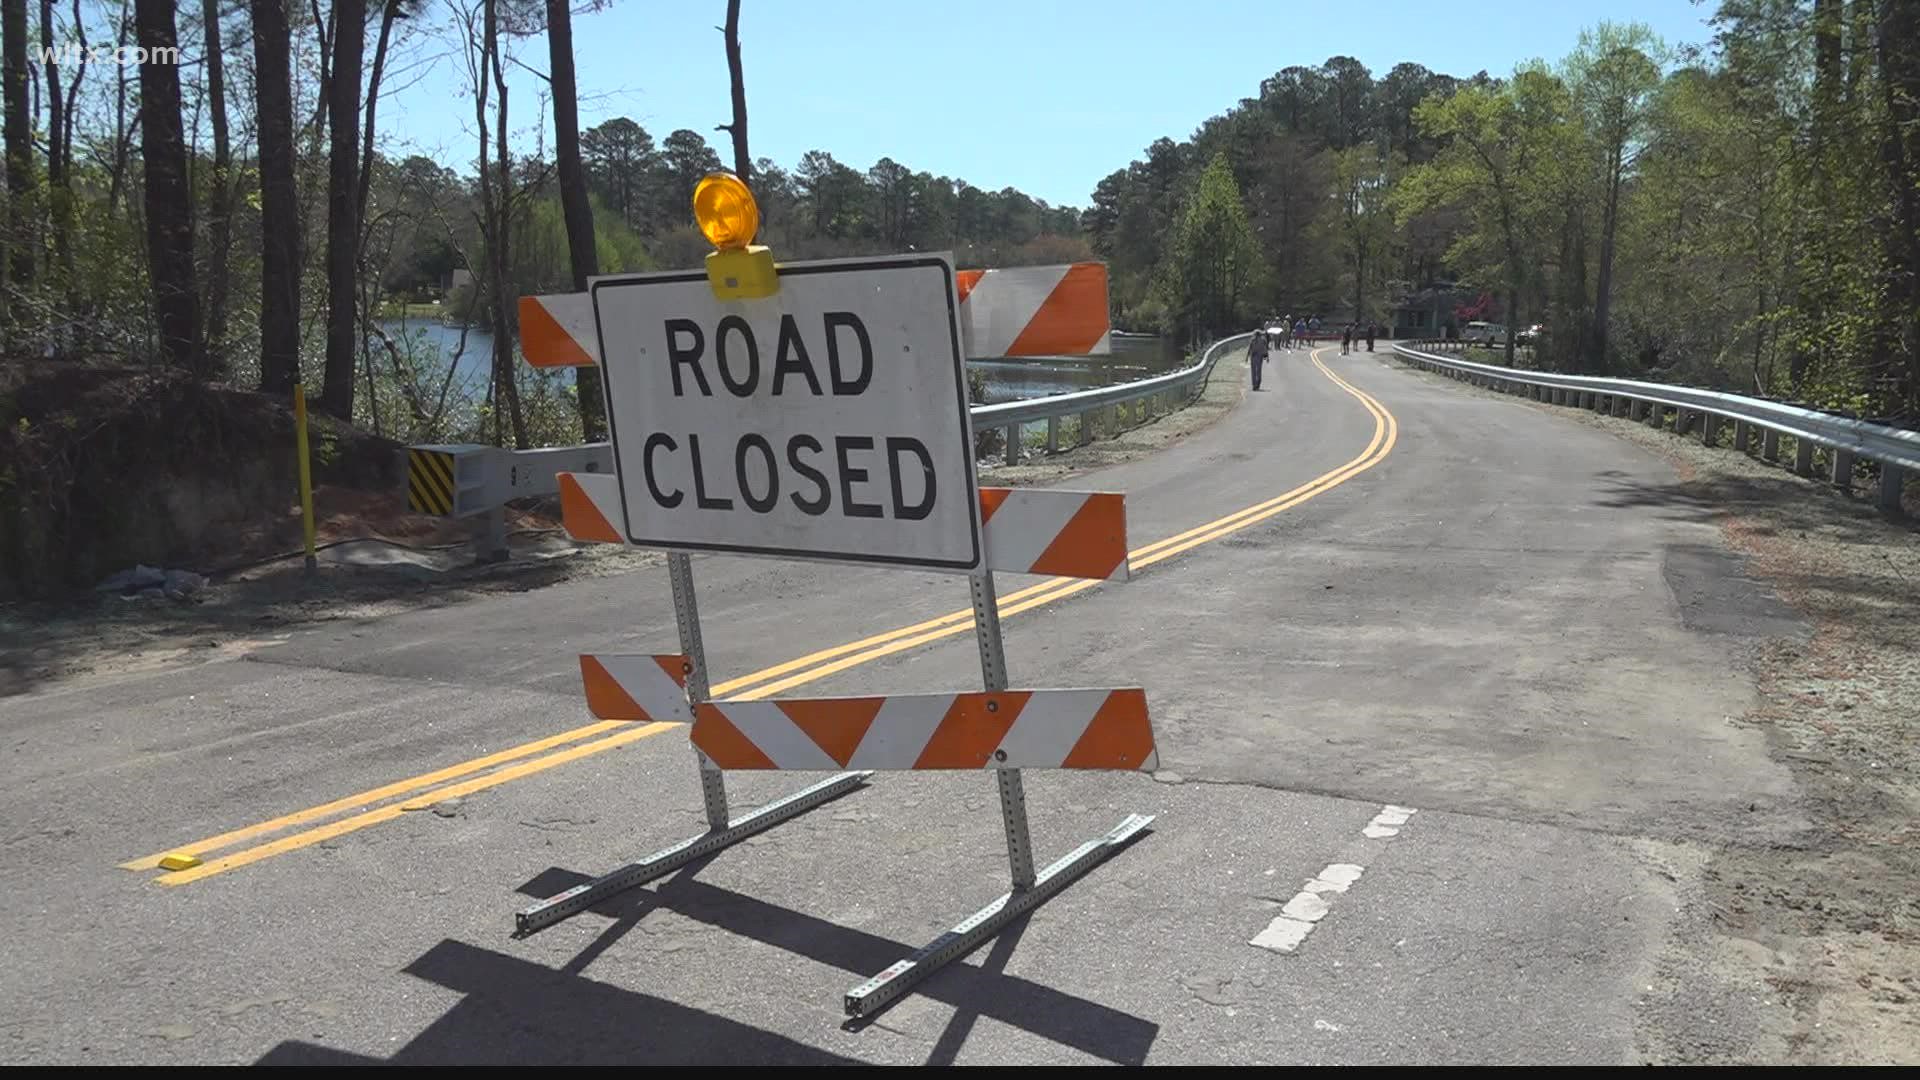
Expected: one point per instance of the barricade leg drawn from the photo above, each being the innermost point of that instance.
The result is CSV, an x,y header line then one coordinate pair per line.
x,y
722,831
1029,890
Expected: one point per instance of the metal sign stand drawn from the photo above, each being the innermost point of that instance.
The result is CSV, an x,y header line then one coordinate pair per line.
x,y
722,831
1029,891
746,272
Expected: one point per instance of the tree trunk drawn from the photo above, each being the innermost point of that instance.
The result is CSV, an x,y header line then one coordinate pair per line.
x,y
59,196
343,193
220,199
279,201
169,198
388,12
1603,281
18,264
574,204
506,380
1899,56
742,161
117,171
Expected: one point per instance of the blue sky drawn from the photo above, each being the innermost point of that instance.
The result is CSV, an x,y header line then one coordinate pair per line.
x,y
1044,95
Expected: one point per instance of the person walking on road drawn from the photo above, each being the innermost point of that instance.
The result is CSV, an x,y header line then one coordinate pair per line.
x,y
1257,354
1346,339
1372,330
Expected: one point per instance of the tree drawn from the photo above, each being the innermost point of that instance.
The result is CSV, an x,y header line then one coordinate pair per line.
x,y
279,199
687,159
574,202
487,72
168,193
1212,261
1898,56
619,158
1364,221
1495,137
1614,78
220,194
343,197
19,264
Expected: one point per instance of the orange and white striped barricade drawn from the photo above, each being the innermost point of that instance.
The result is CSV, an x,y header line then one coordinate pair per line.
x,y
1016,311
1035,311
1079,534
686,378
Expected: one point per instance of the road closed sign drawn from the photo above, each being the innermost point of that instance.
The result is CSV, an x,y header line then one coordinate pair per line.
x,y
828,421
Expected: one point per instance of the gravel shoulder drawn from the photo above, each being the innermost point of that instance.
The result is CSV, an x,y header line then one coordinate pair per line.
x,y
42,645
1830,922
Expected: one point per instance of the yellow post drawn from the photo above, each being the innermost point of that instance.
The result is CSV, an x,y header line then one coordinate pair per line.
x,y
306,473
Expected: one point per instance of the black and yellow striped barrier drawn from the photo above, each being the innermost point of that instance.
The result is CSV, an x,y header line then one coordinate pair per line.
x,y
430,481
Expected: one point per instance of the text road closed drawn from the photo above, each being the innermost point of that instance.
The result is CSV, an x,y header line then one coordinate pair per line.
x,y
826,421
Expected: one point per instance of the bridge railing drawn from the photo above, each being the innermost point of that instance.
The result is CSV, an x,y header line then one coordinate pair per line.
x,y
1161,393
1846,440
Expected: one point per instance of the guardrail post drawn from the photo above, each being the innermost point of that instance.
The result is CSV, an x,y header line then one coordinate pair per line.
x,y
1620,405
1770,445
1843,469
1013,444
1682,421
1892,482
1709,429
1053,434
1803,456
1742,435
1636,409
1085,435
1656,415
490,535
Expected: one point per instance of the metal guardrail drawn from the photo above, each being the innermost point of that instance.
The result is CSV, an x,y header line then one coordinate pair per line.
x,y
1845,439
477,481
1086,404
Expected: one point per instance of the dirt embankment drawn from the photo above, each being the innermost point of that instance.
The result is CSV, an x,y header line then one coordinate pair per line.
x,y
106,467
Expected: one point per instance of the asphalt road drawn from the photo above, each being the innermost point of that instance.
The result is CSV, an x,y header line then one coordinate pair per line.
x,y
1463,606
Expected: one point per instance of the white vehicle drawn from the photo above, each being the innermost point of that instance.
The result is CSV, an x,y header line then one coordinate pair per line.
x,y
1489,334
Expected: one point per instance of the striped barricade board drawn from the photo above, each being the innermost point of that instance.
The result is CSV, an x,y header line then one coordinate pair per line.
x,y
1017,311
1079,534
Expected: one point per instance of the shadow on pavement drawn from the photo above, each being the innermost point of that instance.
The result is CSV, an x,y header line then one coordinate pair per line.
x,y
519,1013
1086,1026
515,1011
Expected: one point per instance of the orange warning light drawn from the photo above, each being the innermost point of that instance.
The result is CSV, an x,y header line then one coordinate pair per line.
x,y
726,211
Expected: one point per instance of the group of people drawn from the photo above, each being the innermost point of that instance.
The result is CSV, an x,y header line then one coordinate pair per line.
x,y
1287,331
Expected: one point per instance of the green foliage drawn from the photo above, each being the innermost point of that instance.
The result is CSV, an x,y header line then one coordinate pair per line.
x,y
1213,263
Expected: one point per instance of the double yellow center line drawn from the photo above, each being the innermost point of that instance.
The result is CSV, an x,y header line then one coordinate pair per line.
x,y
596,738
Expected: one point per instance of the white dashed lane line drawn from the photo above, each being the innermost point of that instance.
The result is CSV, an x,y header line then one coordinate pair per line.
x,y
1301,914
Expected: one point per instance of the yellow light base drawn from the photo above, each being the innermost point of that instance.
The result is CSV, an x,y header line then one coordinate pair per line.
x,y
743,274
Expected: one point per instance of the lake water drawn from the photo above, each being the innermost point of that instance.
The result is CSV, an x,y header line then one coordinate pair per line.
x,y
1007,380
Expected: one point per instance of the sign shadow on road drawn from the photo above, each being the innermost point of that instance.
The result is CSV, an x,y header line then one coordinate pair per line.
x,y
1098,1030
516,1011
